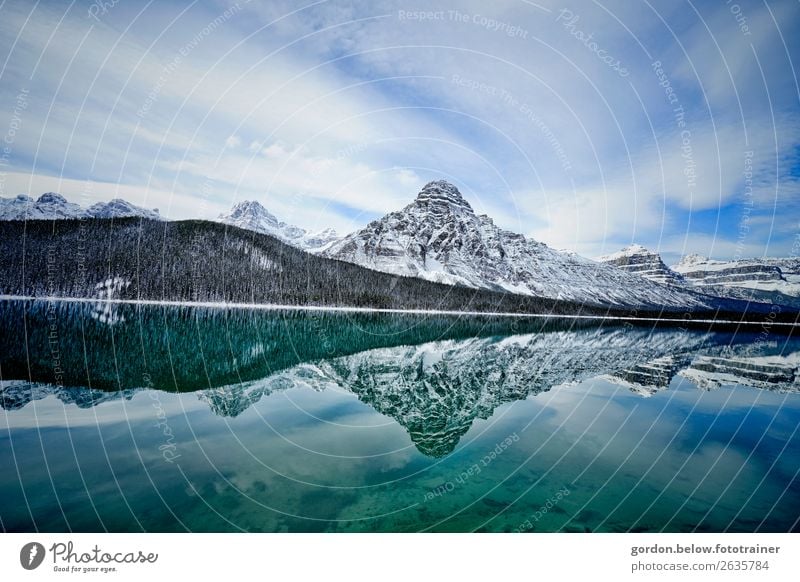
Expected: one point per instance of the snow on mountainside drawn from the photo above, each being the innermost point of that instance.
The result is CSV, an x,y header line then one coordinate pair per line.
x,y
48,206
440,238
729,278
641,261
119,208
769,280
251,215
51,206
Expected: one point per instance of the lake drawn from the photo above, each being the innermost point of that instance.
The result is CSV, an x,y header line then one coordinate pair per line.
x,y
164,418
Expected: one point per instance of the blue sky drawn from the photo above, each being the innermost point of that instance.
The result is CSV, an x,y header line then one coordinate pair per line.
x,y
586,125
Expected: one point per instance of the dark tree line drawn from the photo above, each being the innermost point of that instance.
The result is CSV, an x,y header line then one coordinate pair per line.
x,y
190,348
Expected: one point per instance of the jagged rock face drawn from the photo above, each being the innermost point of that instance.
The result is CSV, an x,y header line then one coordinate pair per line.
x,y
640,261
438,237
701,271
52,206
251,215
761,280
789,266
749,279
317,241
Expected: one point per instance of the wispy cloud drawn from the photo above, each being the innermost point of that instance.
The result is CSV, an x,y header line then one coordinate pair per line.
x,y
336,112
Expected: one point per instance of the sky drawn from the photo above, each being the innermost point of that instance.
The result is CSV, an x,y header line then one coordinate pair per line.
x,y
586,125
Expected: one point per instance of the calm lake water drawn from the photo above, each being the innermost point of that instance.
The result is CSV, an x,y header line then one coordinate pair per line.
x,y
132,418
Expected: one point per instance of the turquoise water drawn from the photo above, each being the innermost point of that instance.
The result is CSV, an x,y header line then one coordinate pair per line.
x,y
126,418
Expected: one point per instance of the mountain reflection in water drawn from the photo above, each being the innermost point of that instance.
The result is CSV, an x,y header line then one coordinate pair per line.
x,y
433,375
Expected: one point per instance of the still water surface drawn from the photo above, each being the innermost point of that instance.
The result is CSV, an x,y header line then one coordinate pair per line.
x,y
132,418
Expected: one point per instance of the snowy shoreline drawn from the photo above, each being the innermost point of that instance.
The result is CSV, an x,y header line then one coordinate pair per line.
x,y
344,309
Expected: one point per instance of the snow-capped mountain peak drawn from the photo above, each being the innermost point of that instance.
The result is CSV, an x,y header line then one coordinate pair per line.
x,y
52,205
119,208
441,192
641,261
628,251
320,240
692,259
251,215
438,237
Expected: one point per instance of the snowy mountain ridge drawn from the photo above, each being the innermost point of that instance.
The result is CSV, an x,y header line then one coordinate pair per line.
x,y
770,279
52,206
251,215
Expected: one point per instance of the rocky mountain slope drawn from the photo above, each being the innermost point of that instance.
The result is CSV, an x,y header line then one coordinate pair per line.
x,y
749,279
440,238
251,215
640,261
750,273
52,206
768,280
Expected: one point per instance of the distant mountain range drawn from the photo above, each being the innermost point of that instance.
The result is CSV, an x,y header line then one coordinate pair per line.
x,y
773,280
439,238
51,206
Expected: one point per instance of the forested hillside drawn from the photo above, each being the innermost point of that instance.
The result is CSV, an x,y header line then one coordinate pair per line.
x,y
195,260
